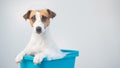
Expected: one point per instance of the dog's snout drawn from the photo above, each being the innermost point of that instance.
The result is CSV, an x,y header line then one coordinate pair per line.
x,y
38,29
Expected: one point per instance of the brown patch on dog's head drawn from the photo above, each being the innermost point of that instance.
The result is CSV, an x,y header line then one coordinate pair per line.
x,y
45,15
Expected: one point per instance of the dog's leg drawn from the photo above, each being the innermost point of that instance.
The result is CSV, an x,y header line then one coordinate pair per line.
x,y
20,56
38,58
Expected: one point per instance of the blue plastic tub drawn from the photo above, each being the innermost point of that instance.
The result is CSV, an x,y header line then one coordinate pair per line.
x,y
67,62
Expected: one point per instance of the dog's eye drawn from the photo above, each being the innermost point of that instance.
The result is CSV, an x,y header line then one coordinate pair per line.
x,y
44,18
33,18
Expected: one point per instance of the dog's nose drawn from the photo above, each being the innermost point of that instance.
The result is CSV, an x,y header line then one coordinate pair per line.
x,y
38,29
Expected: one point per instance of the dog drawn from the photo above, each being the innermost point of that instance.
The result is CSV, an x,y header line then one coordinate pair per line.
x,y
41,44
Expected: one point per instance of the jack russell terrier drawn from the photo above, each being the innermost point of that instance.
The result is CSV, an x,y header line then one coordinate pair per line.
x,y
41,44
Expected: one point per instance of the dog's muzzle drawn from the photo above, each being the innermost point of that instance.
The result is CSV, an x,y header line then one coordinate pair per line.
x,y
38,29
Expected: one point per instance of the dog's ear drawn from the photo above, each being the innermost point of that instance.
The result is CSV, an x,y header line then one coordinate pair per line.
x,y
26,15
51,13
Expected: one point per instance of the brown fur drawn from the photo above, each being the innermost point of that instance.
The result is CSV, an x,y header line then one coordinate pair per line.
x,y
44,12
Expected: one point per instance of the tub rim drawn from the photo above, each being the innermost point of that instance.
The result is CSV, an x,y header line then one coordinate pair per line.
x,y
71,54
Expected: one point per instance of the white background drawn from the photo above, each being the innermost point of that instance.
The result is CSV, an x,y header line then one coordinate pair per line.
x,y
90,26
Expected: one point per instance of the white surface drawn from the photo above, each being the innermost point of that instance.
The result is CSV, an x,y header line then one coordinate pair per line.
x,y
90,26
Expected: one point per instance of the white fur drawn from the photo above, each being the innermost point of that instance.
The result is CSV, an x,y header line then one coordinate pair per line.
x,y
40,45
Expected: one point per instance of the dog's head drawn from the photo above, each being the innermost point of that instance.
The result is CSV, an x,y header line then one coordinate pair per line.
x,y
39,19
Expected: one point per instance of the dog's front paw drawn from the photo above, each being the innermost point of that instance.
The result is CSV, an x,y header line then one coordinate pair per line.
x,y
18,59
37,60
